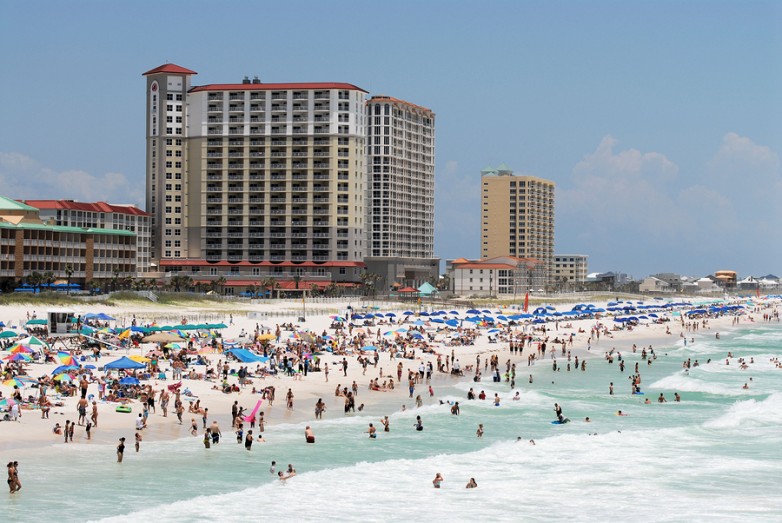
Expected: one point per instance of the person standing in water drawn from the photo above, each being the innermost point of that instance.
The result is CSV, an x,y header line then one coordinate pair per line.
x,y
438,480
386,424
419,425
120,450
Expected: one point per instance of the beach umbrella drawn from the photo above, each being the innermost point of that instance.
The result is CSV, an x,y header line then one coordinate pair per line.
x,y
20,348
38,321
129,380
90,367
452,323
163,337
266,337
417,336
13,382
492,331
64,368
408,313
2,324
473,311
390,315
18,357
63,377
8,334
337,318
140,359
32,340
66,359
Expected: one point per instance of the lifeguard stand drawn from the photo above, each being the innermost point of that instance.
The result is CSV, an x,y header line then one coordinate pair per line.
x,y
62,322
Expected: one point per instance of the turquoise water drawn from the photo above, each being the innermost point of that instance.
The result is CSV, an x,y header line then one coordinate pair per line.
x,y
712,457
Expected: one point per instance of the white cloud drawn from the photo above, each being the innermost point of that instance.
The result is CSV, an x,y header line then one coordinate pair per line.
x,y
624,209
21,177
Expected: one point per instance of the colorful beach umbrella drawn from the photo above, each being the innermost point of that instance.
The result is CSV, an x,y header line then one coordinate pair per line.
x,y
19,357
63,377
13,382
32,340
66,358
16,349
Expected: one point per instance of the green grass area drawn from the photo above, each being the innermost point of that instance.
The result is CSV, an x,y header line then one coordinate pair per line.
x,y
47,298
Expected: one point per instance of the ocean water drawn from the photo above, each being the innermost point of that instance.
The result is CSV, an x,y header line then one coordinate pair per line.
x,y
713,457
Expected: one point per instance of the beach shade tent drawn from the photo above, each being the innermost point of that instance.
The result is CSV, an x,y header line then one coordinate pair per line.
x,y
129,380
163,337
124,363
8,334
426,289
245,356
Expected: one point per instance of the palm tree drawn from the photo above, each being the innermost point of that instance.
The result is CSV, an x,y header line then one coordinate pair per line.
x,y
314,289
370,279
68,273
220,283
35,279
270,284
297,280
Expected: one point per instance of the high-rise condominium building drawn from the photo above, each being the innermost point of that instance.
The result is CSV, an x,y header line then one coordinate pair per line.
x,y
252,180
517,216
400,199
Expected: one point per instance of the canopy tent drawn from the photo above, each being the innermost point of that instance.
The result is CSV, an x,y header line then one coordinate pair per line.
x,y
124,363
245,356
426,289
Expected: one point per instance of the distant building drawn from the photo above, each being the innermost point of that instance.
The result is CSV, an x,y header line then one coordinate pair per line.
x,y
29,245
673,280
101,215
726,279
500,276
570,271
652,284
517,217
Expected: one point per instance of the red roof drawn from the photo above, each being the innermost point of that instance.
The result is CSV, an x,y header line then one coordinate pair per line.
x,y
275,87
407,289
84,206
169,68
224,263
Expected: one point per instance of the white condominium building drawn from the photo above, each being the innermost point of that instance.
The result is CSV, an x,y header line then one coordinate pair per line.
x,y
400,199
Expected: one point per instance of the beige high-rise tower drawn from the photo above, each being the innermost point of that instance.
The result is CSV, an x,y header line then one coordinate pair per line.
x,y
255,180
517,216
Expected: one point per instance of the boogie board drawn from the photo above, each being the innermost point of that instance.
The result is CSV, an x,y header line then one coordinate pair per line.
x,y
123,408
637,393
557,422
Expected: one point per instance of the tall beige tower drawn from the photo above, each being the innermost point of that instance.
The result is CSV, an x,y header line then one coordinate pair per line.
x,y
254,180
517,216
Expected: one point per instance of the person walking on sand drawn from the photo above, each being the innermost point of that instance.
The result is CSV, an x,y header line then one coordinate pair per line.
x,y
94,416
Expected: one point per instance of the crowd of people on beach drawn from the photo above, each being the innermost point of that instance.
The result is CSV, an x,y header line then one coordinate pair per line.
x,y
415,357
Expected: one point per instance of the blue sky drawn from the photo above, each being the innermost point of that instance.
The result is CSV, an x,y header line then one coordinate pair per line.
x,y
659,121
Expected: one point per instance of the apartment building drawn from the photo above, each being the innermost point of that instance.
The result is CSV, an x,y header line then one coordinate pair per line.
x,y
251,180
400,197
517,216
101,215
569,272
506,276
28,245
